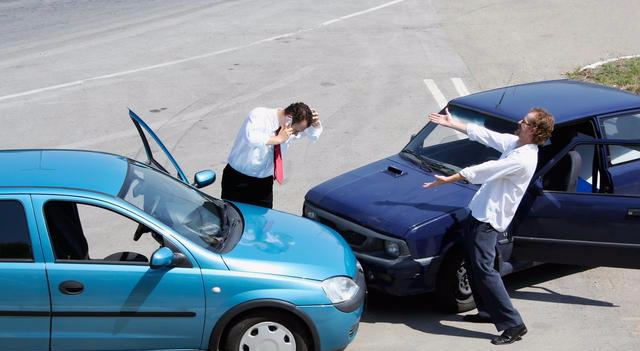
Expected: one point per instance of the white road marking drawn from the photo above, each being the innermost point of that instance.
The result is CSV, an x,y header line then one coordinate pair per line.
x,y
193,58
188,117
362,12
435,91
461,88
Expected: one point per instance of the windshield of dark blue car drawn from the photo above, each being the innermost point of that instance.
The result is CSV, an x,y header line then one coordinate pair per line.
x,y
447,151
198,217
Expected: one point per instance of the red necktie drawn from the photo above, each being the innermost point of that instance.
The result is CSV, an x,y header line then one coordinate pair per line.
x,y
278,169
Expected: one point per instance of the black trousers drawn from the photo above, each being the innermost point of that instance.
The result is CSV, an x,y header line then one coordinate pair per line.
x,y
489,292
239,187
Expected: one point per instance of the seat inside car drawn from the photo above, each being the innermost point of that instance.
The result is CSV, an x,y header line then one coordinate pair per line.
x,y
68,237
65,229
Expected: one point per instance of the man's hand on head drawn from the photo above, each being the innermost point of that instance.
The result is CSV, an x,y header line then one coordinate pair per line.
x,y
316,118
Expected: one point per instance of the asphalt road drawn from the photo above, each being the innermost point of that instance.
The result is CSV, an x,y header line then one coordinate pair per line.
x,y
193,70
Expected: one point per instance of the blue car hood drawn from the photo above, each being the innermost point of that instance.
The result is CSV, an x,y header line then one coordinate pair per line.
x,y
274,242
386,202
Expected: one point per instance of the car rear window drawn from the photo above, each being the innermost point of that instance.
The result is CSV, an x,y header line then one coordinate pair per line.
x,y
14,232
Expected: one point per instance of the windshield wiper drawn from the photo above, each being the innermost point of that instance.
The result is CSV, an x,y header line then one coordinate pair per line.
x,y
441,167
231,227
417,159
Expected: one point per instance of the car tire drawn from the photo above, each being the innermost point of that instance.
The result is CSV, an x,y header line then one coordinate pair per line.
x,y
453,291
267,328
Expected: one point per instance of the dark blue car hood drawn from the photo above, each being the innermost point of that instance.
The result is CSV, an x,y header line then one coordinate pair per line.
x,y
379,199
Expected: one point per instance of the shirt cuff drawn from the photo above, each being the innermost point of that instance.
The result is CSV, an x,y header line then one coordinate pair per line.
x,y
472,131
314,132
468,174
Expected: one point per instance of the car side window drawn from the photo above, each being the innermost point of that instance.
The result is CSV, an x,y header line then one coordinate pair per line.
x,y
624,176
15,243
624,127
574,171
98,235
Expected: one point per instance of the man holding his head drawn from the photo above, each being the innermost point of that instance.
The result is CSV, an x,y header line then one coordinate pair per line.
x,y
255,159
504,182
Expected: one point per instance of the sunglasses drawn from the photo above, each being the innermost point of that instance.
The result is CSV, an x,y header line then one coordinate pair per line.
x,y
523,121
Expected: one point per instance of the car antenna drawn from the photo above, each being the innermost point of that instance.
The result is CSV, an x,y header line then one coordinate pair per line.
x,y
504,91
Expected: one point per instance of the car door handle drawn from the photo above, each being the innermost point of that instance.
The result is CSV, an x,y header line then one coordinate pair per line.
x,y
633,212
71,287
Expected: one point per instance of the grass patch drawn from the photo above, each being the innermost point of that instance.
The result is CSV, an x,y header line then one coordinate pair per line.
x,y
622,74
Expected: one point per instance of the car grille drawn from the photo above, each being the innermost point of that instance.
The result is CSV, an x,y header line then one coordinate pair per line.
x,y
358,237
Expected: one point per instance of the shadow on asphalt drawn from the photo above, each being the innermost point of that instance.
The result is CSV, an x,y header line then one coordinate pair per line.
x,y
532,277
420,312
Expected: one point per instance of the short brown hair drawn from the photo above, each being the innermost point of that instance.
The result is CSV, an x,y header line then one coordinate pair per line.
x,y
542,124
299,111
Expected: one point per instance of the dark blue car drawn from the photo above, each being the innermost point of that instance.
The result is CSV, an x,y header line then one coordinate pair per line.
x,y
582,206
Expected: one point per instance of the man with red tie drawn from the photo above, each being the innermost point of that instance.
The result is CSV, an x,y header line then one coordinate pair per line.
x,y
255,159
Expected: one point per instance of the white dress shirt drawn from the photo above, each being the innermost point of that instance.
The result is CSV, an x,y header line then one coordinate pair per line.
x,y
250,154
504,181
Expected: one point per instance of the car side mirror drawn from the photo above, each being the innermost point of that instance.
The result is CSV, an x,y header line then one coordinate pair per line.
x,y
164,257
204,178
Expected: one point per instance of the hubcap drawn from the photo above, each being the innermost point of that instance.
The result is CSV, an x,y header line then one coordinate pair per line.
x,y
464,288
267,336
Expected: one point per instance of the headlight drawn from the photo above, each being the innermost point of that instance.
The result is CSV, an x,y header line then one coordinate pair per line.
x,y
309,212
392,248
396,248
340,289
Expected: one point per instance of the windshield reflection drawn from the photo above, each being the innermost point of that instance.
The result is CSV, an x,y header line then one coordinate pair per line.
x,y
187,211
447,151
260,234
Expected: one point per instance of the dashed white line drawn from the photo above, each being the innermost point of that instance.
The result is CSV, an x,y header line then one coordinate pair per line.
x,y
435,91
461,88
193,58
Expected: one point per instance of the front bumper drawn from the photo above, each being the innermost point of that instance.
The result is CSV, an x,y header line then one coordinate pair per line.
x,y
335,329
402,276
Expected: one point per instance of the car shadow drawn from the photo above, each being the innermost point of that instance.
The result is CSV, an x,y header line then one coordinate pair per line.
x,y
532,277
420,312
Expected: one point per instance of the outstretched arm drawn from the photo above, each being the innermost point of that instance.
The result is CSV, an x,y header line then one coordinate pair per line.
x,y
447,121
443,180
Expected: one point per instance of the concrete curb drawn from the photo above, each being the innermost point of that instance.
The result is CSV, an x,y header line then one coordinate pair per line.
x,y
600,63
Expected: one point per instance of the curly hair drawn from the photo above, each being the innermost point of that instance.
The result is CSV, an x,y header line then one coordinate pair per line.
x,y
542,123
299,111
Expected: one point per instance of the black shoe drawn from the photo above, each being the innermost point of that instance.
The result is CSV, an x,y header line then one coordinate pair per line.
x,y
476,318
510,335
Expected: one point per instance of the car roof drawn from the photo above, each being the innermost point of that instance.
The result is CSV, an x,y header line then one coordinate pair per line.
x,y
567,100
76,169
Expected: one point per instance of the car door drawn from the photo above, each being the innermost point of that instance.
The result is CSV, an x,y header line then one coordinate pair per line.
x,y
25,309
158,156
105,295
595,224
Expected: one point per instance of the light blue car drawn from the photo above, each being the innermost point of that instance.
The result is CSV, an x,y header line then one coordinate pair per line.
x,y
101,252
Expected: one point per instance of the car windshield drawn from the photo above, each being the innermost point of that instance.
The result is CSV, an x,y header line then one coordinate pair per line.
x,y
194,215
446,150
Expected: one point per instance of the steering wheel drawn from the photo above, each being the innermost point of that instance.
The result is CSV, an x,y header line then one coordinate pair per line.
x,y
139,231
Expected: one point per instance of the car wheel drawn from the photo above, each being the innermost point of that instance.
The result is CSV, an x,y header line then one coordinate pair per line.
x,y
267,331
453,290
